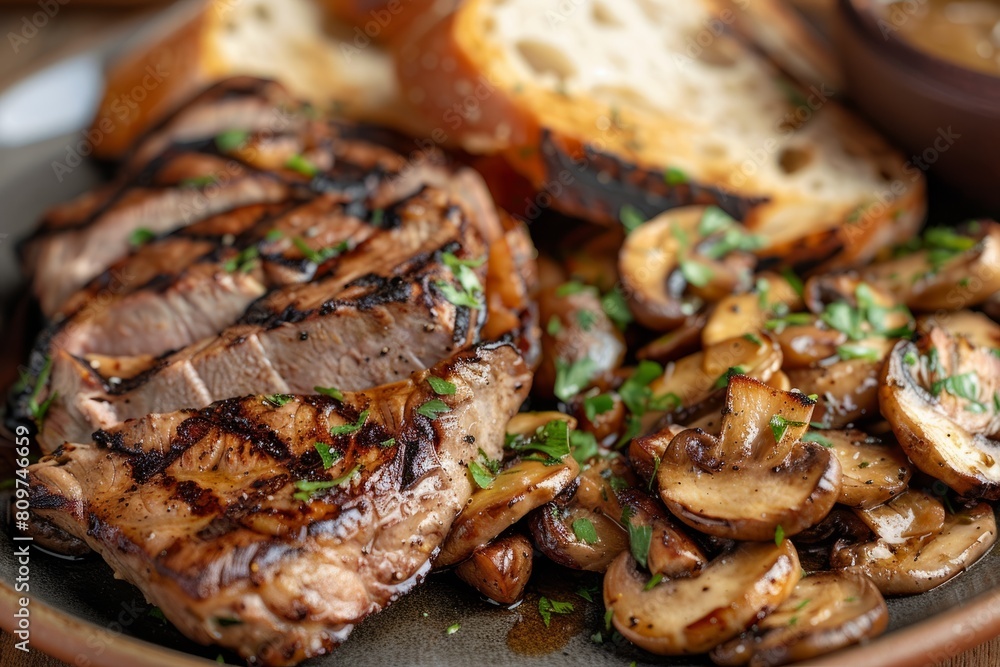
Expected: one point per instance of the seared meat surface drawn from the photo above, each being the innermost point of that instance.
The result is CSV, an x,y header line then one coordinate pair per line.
x,y
377,315
211,514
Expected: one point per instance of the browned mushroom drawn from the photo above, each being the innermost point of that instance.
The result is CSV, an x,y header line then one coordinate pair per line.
x,y
674,344
692,615
874,471
825,612
500,570
918,564
979,329
516,491
580,343
949,270
784,485
942,397
910,514
670,553
847,391
674,264
738,314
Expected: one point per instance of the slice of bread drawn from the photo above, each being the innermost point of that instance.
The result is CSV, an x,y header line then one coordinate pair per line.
x,y
327,62
656,104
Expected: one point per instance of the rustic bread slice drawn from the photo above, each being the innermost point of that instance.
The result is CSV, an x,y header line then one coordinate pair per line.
x,y
653,104
324,61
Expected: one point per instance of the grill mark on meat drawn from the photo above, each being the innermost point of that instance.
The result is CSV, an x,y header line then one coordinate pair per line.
x,y
298,575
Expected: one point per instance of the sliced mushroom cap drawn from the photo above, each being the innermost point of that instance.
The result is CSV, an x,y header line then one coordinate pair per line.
x,y
646,453
760,460
956,270
921,563
847,390
779,381
577,336
674,344
595,260
942,397
979,329
670,266
698,376
737,314
577,537
825,612
671,552
692,615
807,344
500,570
516,491
873,471
910,514
581,528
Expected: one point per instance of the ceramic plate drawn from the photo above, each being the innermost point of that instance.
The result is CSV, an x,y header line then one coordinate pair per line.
x,y
82,615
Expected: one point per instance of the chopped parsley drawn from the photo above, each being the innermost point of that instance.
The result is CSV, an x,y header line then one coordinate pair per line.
x,y
554,326
656,470
965,385
616,308
851,351
547,607
347,429
485,470
779,425
586,319
597,405
819,439
198,181
39,410
584,530
638,397
779,535
583,446
470,290
274,235
630,217
244,260
440,386
278,400
653,581
327,454
551,439
588,592
753,338
674,176
230,140
573,377
302,165
386,444
713,220
790,319
696,273
140,236
572,287
793,279
433,408
723,380
321,255
307,489
332,392
453,628
639,537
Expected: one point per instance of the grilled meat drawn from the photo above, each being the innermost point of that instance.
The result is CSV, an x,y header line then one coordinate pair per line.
x,y
379,313
210,512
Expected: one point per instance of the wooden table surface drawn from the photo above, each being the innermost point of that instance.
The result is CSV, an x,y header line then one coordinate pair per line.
x,y
75,26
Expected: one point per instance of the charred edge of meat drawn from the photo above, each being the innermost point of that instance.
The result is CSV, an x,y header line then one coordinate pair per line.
x,y
645,189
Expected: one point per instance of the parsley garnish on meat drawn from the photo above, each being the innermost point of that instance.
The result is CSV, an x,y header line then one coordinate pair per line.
x,y
433,408
230,140
327,454
440,386
307,488
347,429
140,236
484,471
244,260
332,392
321,255
278,400
470,293
39,410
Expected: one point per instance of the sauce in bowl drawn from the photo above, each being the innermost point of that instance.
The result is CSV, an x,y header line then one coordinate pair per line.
x,y
963,32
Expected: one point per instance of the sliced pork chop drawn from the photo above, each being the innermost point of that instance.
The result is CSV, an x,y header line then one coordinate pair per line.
x,y
209,514
382,312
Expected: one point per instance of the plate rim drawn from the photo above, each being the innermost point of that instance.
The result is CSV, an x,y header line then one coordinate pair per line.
x,y
63,636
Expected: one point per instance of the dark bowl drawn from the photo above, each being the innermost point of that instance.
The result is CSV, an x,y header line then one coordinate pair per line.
x,y
945,115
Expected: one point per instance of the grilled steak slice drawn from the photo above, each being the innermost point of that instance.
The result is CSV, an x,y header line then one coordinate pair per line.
x,y
380,313
193,176
209,512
